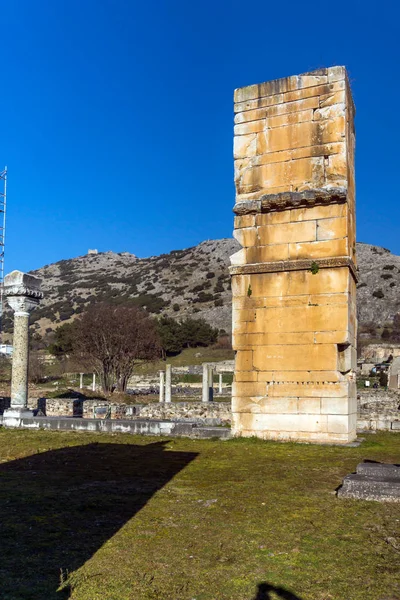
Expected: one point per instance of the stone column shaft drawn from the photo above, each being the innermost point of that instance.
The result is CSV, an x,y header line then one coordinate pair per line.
x,y
168,383
162,386
205,392
210,383
19,378
220,383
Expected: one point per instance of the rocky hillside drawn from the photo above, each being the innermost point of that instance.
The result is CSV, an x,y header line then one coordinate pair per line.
x,y
378,291
192,282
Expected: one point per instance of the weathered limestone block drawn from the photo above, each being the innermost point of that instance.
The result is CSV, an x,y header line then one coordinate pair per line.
x,y
293,282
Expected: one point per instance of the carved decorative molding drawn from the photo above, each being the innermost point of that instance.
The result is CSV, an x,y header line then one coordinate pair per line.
x,y
295,265
287,200
22,291
22,305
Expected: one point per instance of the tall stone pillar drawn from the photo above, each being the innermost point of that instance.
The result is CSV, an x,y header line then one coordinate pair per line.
x,y
205,391
210,383
294,280
23,294
162,386
168,383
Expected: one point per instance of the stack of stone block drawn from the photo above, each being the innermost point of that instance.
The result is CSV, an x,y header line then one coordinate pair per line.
x,y
372,481
294,280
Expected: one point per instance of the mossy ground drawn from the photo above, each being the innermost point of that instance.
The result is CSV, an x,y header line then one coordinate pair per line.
x,y
117,517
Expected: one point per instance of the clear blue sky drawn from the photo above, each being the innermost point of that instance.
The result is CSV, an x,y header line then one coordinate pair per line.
x,y
117,120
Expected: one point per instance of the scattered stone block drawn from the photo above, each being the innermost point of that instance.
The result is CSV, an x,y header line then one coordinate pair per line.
x,y
372,481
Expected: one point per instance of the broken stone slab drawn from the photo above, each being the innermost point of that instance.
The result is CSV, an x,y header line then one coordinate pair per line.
x,y
379,470
372,481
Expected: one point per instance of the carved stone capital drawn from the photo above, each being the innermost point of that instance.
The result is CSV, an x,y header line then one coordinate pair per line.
x,y
22,305
17,283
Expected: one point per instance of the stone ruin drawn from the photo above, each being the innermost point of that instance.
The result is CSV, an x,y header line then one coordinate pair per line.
x,y
23,294
372,481
294,280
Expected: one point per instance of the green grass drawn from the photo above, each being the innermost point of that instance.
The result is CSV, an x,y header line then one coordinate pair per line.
x,y
118,517
188,356
191,378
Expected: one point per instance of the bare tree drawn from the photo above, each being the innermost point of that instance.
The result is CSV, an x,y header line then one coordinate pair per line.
x,y
114,339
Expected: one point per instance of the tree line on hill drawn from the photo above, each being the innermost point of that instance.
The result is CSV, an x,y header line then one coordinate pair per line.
x,y
113,339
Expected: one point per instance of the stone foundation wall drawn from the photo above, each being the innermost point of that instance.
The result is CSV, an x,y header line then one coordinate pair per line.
x,y
57,407
213,413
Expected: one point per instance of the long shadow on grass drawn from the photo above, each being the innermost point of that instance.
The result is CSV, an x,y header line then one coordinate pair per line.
x,y
264,592
59,507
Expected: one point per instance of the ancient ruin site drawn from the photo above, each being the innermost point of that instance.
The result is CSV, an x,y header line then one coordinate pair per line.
x,y
200,351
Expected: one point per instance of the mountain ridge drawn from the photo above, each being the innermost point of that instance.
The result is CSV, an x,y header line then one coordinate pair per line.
x,y
193,282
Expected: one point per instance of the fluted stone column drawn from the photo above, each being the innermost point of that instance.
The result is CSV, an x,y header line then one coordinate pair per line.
x,y
23,294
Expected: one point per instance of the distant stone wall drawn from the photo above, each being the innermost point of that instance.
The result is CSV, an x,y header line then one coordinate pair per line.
x,y
379,352
378,410
57,407
212,413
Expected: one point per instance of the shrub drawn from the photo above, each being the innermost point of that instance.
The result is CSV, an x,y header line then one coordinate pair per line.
x,y
387,276
170,333
378,294
176,307
218,302
210,275
197,332
152,303
204,297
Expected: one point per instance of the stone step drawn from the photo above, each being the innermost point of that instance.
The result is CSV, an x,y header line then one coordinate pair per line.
x,y
379,470
361,487
222,433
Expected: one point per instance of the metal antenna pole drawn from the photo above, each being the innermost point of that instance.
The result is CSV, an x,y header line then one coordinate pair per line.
x,y
3,204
